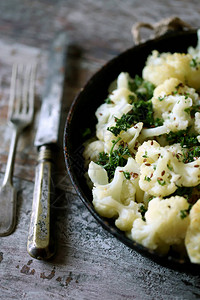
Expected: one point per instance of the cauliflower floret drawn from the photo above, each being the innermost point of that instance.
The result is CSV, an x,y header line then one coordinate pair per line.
x,y
162,66
156,177
189,173
117,198
152,132
120,100
171,102
123,80
174,86
177,118
162,169
197,122
171,105
97,174
91,151
192,240
125,214
106,114
131,135
164,225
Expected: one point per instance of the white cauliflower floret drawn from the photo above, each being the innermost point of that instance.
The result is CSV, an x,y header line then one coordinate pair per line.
x,y
171,103
189,173
197,122
117,198
177,118
174,86
125,214
153,132
164,225
131,135
128,137
162,169
192,240
162,66
120,100
156,178
91,151
97,174
106,114
123,80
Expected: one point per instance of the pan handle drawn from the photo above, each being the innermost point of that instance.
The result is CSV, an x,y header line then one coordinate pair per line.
x,y
159,28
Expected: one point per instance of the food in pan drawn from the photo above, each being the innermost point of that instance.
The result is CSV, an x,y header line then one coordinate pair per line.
x,y
144,163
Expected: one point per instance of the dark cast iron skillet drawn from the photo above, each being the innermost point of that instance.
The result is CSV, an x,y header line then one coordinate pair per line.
x,y
82,115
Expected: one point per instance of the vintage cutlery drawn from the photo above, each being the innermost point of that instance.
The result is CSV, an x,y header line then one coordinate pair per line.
x,y
40,244
20,115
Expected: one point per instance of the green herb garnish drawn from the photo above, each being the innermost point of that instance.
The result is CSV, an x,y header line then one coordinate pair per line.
x,y
194,63
185,212
147,178
108,101
115,158
142,111
191,154
187,140
127,175
143,210
161,181
142,88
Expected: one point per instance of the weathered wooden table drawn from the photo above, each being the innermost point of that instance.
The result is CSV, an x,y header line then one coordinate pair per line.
x,y
90,263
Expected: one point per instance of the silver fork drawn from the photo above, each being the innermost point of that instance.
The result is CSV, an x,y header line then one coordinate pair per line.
x,y
20,115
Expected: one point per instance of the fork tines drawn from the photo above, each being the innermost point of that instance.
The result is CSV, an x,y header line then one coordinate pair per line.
x,y
22,89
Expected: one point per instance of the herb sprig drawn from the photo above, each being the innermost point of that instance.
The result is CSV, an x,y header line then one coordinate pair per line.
x,y
115,158
186,140
142,111
142,88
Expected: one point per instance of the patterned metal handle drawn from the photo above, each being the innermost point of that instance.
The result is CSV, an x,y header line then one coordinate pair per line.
x,y
40,244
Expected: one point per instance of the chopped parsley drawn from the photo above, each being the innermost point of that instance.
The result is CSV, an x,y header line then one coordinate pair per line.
x,y
170,168
194,109
191,154
185,192
127,175
142,210
108,101
115,158
161,98
142,88
123,123
142,111
147,178
185,212
86,133
194,63
187,110
145,155
161,181
187,140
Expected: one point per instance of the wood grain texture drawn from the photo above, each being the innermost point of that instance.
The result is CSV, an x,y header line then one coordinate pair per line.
x,y
90,263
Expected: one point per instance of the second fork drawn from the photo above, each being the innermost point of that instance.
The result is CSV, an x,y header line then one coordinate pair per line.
x,y
20,115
